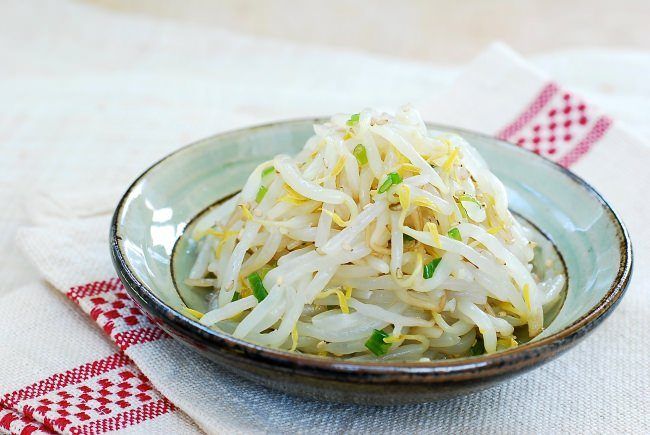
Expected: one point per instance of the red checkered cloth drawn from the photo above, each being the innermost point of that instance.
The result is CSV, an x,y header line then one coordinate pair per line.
x,y
64,376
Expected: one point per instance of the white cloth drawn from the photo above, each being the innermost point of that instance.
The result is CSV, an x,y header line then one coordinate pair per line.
x,y
601,386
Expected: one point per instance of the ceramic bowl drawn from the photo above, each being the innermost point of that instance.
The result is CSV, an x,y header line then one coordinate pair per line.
x,y
159,204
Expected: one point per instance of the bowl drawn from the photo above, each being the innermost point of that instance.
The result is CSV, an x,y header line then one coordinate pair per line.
x,y
157,207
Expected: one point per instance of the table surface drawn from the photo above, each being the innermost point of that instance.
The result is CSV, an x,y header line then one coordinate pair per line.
x,y
91,96
448,31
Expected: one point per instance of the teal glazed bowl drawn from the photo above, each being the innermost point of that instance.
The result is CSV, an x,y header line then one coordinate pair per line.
x,y
157,207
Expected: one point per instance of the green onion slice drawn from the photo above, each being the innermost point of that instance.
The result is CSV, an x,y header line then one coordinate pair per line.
x,y
429,268
267,171
454,233
376,343
478,348
392,179
260,193
353,119
360,153
235,297
258,287
407,238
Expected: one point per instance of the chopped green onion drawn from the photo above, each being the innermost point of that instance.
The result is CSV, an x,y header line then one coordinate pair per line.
x,y
478,348
376,343
235,297
392,179
454,233
267,171
353,119
260,193
397,178
360,153
258,287
428,270
407,238
385,185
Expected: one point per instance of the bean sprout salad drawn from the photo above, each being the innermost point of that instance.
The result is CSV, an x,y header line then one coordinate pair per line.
x,y
381,240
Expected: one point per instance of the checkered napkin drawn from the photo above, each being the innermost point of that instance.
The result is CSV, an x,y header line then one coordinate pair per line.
x,y
85,359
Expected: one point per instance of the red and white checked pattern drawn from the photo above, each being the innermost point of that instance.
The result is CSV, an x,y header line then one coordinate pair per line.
x,y
557,125
100,396
115,312
12,422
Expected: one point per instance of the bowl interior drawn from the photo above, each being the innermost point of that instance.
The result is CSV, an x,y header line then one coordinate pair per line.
x,y
162,201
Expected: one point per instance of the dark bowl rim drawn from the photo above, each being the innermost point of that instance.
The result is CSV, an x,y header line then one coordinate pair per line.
x,y
434,371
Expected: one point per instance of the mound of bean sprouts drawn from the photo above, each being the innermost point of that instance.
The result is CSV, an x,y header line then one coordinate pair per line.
x,y
380,240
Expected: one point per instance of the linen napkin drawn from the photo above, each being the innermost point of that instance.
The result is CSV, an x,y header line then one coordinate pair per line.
x,y
126,374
